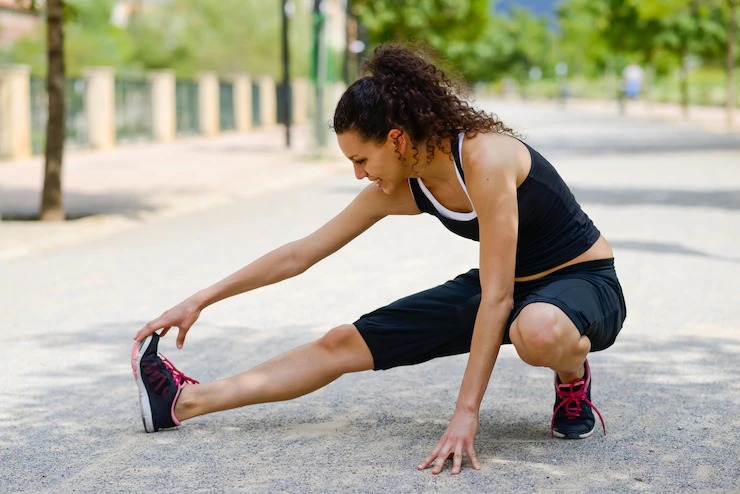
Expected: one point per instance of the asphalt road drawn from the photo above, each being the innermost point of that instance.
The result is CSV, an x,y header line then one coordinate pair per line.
x,y
667,197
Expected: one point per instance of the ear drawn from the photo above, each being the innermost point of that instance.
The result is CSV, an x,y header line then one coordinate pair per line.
x,y
398,140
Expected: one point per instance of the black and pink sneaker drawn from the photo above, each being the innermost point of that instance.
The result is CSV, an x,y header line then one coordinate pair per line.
x,y
572,416
159,384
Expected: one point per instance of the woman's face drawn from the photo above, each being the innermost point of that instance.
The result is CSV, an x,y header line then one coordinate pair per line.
x,y
379,163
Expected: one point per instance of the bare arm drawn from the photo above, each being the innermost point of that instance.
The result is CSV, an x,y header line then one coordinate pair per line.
x,y
295,257
287,261
491,173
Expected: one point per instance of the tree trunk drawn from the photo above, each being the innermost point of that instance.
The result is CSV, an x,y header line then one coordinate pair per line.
x,y
52,206
731,56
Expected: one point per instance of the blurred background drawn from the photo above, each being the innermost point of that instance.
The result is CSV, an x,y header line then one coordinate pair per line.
x,y
524,46
95,73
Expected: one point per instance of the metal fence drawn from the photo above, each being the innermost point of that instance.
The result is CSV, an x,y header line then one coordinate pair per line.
x,y
186,111
133,110
227,120
75,119
256,113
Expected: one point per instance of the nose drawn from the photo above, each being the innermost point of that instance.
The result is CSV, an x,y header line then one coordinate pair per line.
x,y
360,172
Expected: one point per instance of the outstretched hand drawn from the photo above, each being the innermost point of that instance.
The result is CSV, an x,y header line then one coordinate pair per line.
x,y
181,316
457,439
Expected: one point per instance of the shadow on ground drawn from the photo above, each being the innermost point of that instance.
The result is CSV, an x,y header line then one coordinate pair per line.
x,y
80,427
25,204
716,199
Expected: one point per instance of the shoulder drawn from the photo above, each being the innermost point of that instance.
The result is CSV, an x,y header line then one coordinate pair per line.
x,y
376,202
491,151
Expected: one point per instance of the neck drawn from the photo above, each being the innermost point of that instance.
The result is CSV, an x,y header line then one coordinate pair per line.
x,y
440,170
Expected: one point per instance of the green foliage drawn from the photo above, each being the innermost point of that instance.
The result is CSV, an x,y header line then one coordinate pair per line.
x,y
221,35
454,28
186,35
596,38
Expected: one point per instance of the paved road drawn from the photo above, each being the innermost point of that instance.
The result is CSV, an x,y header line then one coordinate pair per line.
x,y
668,199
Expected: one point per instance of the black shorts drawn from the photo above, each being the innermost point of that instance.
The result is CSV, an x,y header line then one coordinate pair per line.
x,y
439,321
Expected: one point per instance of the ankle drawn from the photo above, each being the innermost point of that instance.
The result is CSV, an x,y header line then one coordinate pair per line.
x,y
186,403
570,375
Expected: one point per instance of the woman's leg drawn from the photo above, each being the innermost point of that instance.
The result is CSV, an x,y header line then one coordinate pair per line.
x,y
290,375
544,336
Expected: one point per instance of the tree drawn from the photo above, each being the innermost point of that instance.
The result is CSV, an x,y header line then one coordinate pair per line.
x,y
683,28
455,28
221,35
52,204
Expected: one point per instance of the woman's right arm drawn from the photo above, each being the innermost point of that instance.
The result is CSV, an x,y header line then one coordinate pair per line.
x,y
287,261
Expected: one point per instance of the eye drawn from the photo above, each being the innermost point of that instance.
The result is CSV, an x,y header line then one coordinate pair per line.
x,y
360,162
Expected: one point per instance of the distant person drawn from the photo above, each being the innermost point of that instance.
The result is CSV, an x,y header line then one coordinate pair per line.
x,y
632,79
545,281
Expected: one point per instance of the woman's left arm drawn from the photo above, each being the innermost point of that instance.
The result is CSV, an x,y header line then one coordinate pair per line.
x,y
491,179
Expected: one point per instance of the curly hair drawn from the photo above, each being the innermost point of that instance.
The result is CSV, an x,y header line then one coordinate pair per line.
x,y
407,91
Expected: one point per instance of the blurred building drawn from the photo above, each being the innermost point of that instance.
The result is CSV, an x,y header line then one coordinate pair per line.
x,y
16,21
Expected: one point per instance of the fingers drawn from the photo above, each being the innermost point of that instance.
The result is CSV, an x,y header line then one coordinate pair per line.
x,y
448,450
457,459
429,460
181,336
439,462
164,331
148,329
472,457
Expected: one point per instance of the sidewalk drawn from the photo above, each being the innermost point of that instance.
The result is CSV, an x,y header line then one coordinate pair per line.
x,y
108,191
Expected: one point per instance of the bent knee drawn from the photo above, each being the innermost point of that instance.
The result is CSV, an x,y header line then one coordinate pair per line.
x,y
537,333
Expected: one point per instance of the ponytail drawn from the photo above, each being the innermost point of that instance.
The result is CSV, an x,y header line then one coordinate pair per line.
x,y
404,89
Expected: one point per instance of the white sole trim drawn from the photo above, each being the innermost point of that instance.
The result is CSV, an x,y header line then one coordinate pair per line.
x,y
580,436
145,405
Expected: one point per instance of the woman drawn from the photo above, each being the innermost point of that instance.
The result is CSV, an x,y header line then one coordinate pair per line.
x,y
545,282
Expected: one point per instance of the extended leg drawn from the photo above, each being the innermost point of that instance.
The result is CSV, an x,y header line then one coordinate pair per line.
x,y
290,375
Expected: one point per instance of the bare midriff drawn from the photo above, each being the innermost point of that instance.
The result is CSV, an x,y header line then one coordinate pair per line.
x,y
598,251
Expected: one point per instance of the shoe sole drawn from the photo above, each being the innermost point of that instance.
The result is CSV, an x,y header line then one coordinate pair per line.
x,y
560,435
146,409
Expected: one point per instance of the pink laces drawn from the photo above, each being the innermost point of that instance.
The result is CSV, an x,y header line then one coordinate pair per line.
x,y
178,376
571,399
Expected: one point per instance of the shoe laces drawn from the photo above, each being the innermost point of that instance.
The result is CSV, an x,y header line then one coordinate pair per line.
x,y
571,395
177,375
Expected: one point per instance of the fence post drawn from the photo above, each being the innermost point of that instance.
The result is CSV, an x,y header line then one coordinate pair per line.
x,y
100,106
164,125
15,111
208,103
268,102
242,102
301,92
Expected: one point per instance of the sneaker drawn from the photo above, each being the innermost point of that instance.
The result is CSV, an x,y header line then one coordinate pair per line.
x,y
159,384
572,416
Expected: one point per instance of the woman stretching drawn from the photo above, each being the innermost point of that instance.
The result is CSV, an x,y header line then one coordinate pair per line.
x,y
545,281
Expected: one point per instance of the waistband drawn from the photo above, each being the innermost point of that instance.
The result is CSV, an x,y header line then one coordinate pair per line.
x,y
581,267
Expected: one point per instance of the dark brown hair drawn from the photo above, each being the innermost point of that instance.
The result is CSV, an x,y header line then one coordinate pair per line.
x,y
404,89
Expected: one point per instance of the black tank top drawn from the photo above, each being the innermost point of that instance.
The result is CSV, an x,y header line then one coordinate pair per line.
x,y
553,229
